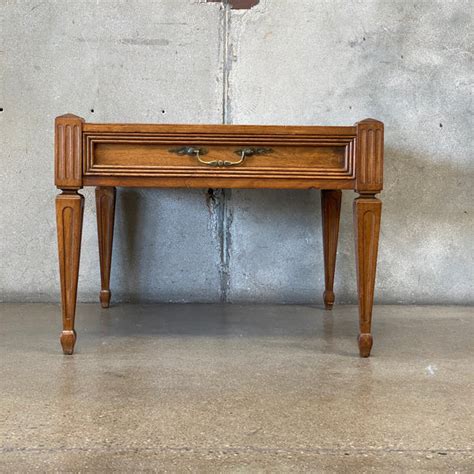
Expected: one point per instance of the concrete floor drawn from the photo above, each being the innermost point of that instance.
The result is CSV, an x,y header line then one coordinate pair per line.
x,y
235,388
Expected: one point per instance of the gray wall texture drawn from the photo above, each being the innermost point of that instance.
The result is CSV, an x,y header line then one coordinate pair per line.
x,y
407,63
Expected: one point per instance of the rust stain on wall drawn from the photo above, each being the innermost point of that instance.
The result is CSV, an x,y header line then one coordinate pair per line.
x,y
238,4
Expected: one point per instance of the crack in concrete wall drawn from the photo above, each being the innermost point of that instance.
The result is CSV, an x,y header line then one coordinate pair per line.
x,y
220,220
222,209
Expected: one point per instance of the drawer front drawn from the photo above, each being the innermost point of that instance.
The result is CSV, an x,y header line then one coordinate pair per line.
x,y
260,157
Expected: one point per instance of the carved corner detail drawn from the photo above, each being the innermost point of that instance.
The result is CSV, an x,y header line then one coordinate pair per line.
x,y
369,156
68,152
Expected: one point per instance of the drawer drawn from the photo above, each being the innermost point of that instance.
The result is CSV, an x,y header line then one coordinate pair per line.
x,y
202,153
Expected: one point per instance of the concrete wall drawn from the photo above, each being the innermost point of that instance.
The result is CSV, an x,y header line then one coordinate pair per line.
x,y
407,63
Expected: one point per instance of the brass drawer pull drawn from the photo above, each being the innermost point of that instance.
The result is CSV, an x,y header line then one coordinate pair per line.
x,y
188,150
198,152
253,151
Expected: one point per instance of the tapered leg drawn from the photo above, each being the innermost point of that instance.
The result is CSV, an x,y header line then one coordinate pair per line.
x,y
69,212
105,204
330,211
367,213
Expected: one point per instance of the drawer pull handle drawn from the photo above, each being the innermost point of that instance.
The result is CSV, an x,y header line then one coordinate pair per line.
x,y
198,152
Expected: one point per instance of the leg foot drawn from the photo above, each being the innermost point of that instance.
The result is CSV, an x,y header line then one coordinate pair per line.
x,y
105,206
365,344
68,341
328,297
104,298
330,212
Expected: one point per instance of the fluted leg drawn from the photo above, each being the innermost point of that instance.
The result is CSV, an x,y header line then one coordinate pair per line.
x,y
105,205
330,211
69,212
367,214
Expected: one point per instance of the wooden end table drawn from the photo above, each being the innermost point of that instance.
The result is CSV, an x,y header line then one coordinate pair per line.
x,y
217,156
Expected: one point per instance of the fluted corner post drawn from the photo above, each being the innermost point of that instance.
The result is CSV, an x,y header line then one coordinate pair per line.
x,y
69,216
105,205
330,212
367,215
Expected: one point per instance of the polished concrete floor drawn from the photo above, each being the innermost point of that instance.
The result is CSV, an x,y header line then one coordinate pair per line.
x,y
234,388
